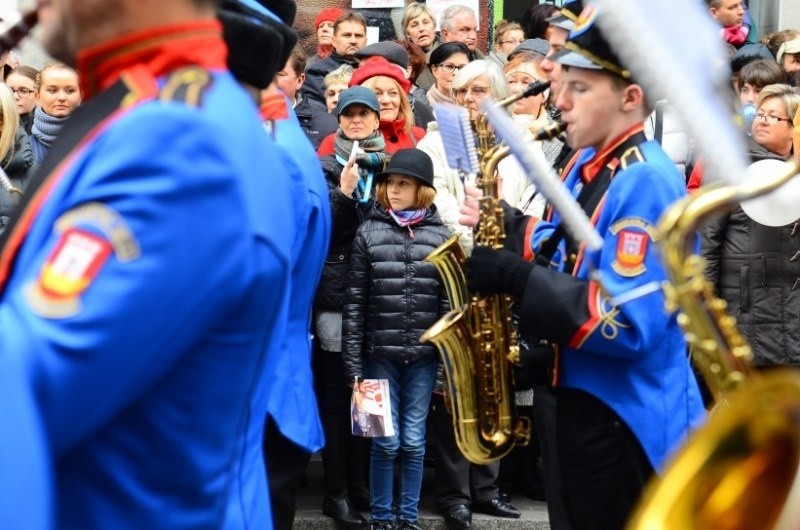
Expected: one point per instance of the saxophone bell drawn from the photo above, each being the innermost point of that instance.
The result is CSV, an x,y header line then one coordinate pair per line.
x,y
739,470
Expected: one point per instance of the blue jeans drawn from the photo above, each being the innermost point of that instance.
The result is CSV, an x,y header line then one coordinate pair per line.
x,y
410,388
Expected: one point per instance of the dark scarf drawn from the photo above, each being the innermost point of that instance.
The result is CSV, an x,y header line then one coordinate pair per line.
x,y
372,160
46,127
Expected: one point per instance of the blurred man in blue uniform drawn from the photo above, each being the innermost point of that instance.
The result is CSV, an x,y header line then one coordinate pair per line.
x,y
147,273
284,409
626,394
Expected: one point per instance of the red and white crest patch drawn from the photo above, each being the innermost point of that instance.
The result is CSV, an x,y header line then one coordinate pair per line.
x,y
87,237
74,263
633,240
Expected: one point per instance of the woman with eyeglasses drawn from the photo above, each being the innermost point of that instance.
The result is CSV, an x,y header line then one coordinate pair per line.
x,y
507,36
22,82
755,268
445,62
476,82
16,158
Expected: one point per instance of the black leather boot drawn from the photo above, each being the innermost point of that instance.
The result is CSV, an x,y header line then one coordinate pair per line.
x,y
358,472
336,503
343,512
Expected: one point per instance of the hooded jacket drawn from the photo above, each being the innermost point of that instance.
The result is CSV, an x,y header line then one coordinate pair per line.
x,y
754,268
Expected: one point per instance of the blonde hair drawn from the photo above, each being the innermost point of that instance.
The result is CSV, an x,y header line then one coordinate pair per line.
x,y
502,28
774,40
51,66
340,76
789,95
10,119
405,106
425,195
414,10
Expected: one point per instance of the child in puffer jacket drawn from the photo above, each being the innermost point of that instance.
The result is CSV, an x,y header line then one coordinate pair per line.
x,y
392,297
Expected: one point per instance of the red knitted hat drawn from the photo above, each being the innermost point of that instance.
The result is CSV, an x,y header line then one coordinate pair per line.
x,y
330,14
374,66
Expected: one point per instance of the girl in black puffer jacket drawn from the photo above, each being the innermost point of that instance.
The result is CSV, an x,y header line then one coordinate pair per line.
x,y
392,297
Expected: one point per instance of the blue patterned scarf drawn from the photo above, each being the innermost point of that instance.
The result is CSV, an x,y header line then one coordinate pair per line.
x,y
408,218
369,162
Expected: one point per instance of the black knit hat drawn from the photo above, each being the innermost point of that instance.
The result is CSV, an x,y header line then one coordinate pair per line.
x,y
587,48
410,162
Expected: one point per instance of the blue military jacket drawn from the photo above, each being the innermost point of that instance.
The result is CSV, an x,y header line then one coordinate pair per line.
x,y
142,287
286,389
632,356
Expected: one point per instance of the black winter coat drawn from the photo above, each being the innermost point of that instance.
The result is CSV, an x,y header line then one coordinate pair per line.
x,y
314,85
315,120
18,167
755,269
346,215
393,295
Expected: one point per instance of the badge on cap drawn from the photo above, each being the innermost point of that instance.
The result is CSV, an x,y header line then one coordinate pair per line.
x,y
633,238
88,237
585,20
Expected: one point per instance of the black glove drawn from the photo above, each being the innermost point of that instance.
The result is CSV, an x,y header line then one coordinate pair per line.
x,y
497,271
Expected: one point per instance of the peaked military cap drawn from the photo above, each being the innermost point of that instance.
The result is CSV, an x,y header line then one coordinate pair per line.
x,y
587,48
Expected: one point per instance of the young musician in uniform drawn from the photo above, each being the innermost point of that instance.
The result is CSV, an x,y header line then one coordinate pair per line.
x,y
626,394
147,267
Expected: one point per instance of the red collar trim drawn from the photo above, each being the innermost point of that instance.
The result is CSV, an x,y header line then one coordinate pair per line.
x,y
159,50
591,168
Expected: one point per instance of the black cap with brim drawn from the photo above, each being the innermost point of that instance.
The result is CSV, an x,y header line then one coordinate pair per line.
x,y
587,48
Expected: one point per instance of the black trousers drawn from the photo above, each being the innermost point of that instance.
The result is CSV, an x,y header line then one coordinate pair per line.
x,y
604,467
457,480
544,424
286,463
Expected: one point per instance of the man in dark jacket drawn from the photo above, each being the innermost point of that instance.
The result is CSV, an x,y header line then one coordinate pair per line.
x,y
314,118
349,36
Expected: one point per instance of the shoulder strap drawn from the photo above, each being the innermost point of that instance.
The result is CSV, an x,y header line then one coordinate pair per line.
x,y
658,133
589,199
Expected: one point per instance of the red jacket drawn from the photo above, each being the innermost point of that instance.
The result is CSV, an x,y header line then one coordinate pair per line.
x,y
393,134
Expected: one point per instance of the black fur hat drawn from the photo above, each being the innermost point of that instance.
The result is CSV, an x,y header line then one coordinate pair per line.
x,y
259,43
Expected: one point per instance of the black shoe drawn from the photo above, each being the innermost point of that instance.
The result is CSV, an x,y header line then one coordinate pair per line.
x,y
457,517
342,512
408,525
382,525
497,507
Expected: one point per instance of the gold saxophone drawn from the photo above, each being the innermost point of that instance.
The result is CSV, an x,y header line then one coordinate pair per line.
x,y
476,339
740,470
